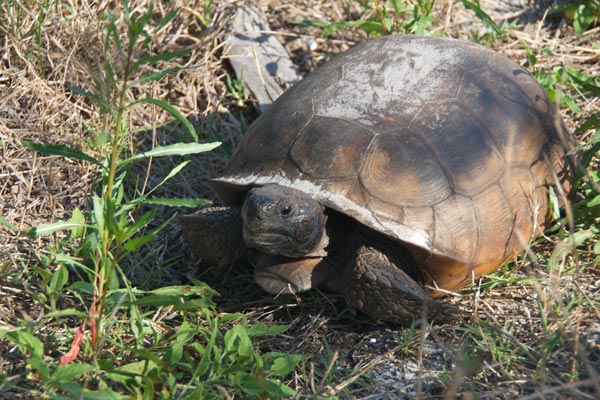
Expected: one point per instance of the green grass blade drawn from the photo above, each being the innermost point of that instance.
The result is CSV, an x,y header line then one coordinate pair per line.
x,y
68,372
98,212
482,15
261,329
336,26
178,303
4,222
75,390
171,174
589,154
66,312
154,76
84,93
138,242
329,27
177,149
140,223
168,18
311,22
59,278
284,364
178,202
111,34
154,58
27,340
173,111
60,150
585,82
48,229
201,289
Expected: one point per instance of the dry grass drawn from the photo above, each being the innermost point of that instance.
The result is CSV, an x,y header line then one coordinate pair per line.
x,y
534,330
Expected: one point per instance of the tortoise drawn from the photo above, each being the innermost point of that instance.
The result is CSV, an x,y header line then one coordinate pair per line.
x,y
399,171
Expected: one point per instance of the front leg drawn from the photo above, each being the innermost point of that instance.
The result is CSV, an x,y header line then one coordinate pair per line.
x,y
278,274
376,284
215,234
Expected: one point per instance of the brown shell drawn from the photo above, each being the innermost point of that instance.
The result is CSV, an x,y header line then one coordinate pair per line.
x,y
440,143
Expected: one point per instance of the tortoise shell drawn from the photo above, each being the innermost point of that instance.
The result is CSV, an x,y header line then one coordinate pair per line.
x,y
441,144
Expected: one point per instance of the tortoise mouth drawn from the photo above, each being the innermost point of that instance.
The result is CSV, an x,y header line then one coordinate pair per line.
x,y
275,242
271,238
268,242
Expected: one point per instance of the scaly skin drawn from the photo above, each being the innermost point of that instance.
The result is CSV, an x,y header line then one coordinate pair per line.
x,y
375,283
215,234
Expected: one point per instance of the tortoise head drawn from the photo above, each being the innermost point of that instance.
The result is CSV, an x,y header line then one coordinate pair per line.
x,y
284,221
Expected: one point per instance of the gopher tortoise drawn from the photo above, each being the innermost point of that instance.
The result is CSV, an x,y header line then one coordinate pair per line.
x,y
399,171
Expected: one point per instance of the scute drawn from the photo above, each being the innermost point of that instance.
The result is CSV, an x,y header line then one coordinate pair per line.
x,y
492,209
527,204
456,228
439,143
338,144
503,105
401,170
272,135
448,129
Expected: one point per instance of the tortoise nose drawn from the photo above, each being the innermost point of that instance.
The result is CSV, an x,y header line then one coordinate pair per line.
x,y
252,212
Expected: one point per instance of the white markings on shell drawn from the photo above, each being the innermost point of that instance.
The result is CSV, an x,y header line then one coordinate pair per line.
x,y
411,73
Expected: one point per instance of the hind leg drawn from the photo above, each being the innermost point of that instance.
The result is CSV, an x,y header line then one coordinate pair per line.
x,y
376,284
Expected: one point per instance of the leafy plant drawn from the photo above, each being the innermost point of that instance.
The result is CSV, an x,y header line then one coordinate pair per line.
x,y
403,16
87,263
414,17
557,82
483,16
587,209
236,91
107,233
583,13
207,15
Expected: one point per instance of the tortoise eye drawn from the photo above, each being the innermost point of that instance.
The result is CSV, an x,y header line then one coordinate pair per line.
x,y
286,210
